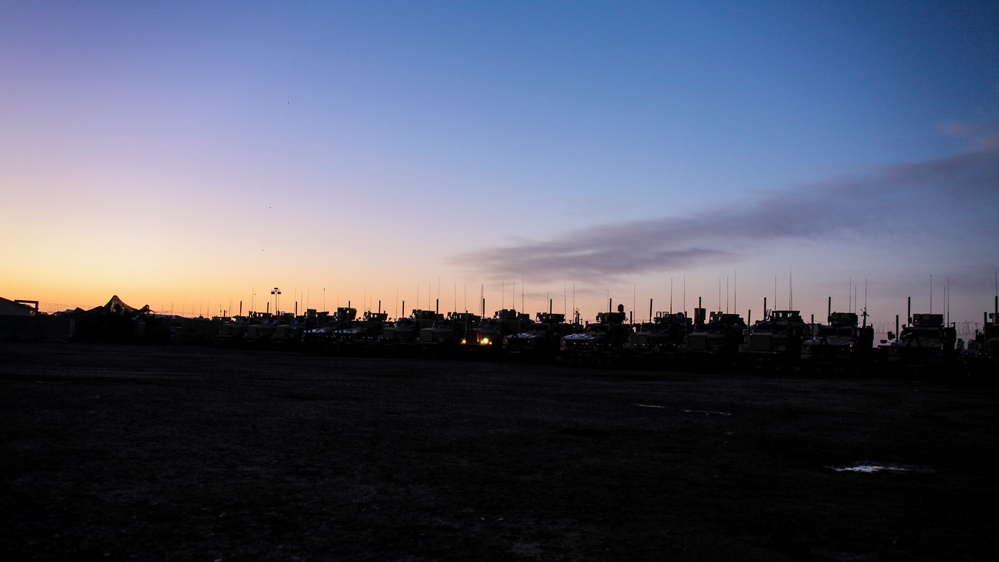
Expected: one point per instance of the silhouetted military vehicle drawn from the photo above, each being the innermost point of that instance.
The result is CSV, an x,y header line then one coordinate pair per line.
x,y
841,344
775,341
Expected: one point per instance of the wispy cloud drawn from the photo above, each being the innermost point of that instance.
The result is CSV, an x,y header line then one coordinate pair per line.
x,y
848,208
984,135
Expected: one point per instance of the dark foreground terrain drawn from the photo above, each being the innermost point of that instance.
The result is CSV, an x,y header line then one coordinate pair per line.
x,y
156,453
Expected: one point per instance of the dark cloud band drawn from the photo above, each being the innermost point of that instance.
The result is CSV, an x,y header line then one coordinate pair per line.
x,y
843,209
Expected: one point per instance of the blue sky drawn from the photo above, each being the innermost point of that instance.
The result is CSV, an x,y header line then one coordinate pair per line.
x,y
177,153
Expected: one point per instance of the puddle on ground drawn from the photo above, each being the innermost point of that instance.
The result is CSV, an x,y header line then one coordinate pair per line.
x,y
705,412
871,468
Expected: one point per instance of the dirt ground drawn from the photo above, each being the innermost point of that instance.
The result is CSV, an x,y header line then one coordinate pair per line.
x,y
174,453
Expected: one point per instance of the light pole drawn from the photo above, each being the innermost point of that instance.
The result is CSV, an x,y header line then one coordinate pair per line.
x,y
277,294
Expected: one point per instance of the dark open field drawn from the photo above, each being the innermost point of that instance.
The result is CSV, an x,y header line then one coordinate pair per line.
x,y
158,453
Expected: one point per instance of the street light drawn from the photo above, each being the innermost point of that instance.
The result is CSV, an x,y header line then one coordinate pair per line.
x,y
277,293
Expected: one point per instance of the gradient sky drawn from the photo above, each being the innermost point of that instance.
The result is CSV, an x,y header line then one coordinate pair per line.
x,y
194,155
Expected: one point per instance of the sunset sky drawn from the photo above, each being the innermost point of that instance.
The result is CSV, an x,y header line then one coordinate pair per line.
x,y
195,155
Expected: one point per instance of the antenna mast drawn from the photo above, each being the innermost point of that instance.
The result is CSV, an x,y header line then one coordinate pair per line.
x,y
670,300
790,289
865,303
947,300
